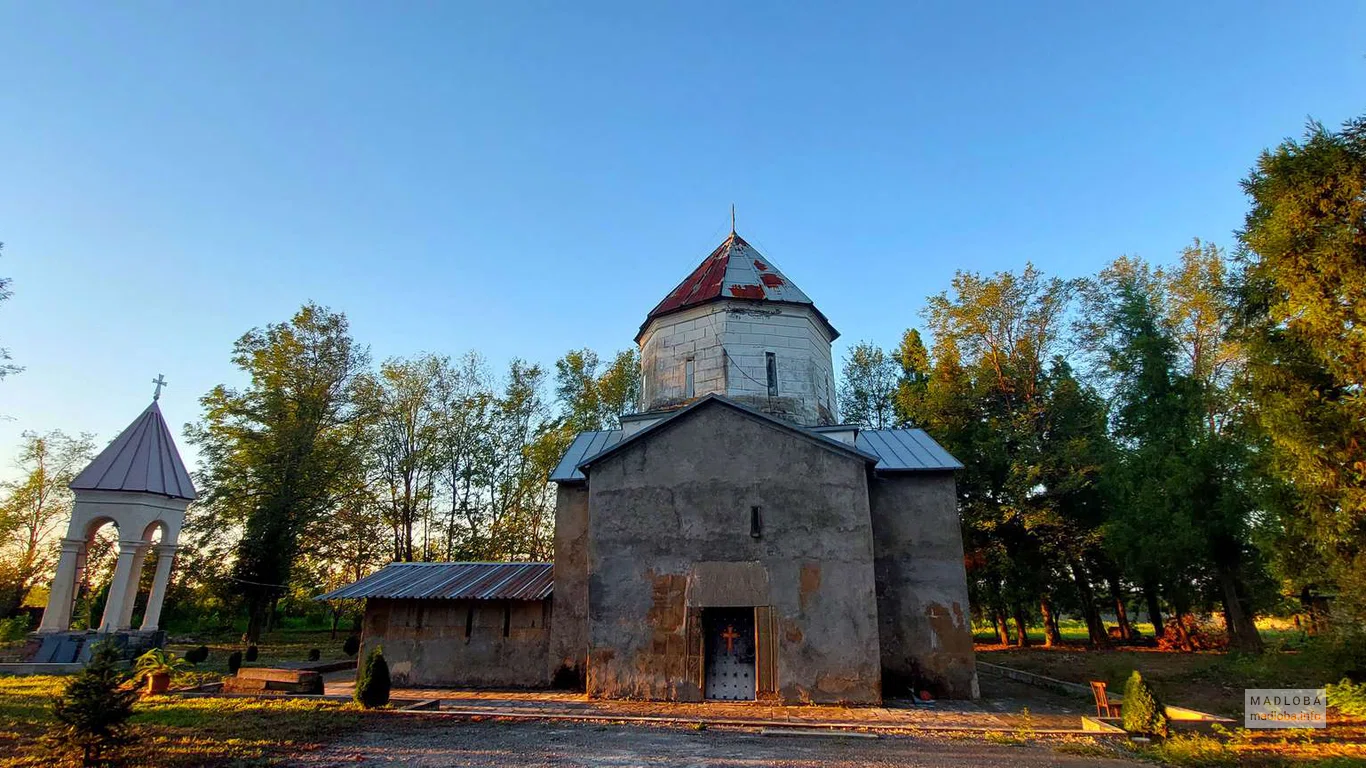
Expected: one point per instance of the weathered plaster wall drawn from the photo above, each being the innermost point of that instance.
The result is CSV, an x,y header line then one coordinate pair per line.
x,y
728,341
665,347
426,642
671,510
922,593
569,625
801,345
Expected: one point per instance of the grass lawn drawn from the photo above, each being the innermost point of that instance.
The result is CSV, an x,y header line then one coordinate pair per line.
x,y
1210,681
172,731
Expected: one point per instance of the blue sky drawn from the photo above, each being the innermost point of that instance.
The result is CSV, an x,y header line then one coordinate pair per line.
x,y
525,178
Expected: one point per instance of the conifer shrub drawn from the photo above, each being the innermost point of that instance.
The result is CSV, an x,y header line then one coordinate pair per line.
x,y
92,712
351,646
1143,714
234,662
252,653
314,654
372,681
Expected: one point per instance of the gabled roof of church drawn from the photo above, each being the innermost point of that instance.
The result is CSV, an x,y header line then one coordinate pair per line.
x,y
894,450
142,458
828,443
735,270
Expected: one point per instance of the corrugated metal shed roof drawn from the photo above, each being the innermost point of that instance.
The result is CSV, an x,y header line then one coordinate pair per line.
x,y
142,458
735,270
453,581
902,450
585,446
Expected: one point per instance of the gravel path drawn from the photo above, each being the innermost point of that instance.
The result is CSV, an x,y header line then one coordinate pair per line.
x,y
430,743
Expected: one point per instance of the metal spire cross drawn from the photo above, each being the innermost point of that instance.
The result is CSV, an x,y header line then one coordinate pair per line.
x,y
160,381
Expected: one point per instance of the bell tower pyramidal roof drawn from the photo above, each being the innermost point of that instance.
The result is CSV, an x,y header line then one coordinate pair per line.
x,y
143,459
735,270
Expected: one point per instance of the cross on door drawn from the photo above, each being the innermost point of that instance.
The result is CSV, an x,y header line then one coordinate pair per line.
x,y
730,636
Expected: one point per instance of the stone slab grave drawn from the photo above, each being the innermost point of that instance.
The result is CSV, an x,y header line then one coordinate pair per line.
x,y
274,681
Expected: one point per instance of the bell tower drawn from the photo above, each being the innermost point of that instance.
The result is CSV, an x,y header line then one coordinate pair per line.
x,y
738,327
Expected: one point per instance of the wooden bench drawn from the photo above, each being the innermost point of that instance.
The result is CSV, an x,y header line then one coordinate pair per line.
x,y
267,680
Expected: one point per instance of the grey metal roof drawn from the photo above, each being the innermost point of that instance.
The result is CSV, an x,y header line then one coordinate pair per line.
x,y
142,458
905,450
453,581
585,446
896,450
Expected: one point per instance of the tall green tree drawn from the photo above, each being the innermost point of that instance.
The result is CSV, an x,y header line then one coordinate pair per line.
x,y
868,387
1300,308
913,380
989,398
277,453
591,398
1183,507
403,407
466,455
34,511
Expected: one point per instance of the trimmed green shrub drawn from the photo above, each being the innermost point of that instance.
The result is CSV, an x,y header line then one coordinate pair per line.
x,y
252,653
92,712
372,681
197,656
234,662
314,654
1143,713
351,646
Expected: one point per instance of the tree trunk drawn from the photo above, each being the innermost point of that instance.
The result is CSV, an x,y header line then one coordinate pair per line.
x,y
1154,610
1051,636
1095,628
1002,631
256,617
1240,624
1021,628
1121,610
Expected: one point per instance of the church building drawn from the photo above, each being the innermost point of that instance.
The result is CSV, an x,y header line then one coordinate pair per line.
x,y
730,541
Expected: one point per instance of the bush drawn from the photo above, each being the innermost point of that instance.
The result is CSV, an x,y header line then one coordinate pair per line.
x,y
1349,699
92,713
252,653
13,628
198,655
314,654
1143,713
372,683
234,662
352,645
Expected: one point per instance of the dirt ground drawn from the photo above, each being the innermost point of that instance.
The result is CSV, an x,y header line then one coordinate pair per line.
x,y
429,743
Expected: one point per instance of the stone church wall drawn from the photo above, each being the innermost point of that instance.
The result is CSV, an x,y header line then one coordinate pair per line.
x,y
924,619
569,625
671,516
475,643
